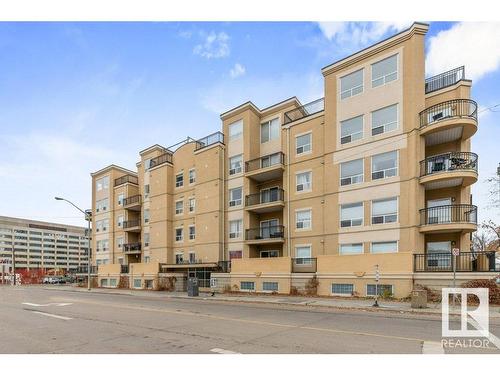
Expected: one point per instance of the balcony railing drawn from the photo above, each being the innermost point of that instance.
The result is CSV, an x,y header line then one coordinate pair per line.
x,y
134,199
266,196
465,262
304,111
159,160
127,178
445,79
224,266
124,268
131,224
130,247
454,213
265,233
209,140
303,265
84,269
451,161
457,108
265,162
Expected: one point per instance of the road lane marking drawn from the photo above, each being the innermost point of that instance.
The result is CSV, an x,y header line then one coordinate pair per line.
x,y
223,351
52,315
46,304
432,347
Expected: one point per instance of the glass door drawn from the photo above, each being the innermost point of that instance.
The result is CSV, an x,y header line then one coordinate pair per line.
x,y
439,211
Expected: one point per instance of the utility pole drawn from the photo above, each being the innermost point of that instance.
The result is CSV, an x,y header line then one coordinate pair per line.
x,y
377,278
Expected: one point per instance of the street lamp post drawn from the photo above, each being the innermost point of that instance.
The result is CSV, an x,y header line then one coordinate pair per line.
x,y
88,217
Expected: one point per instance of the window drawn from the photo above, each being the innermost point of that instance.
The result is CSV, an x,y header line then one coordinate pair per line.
x,y
102,225
303,144
192,257
192,232
235,130
235,228
179,258
104,283
385,71
351,248
235,196
147,164
351,172
385,165
270,286
235,254
146,216
192,204
303,251
192,176
112,283
102,245
351,129
269,130
269,253
179,180
270,160
146,239
343,289
385,211
179,207
101,205
439,254
102,183
385,119
303,219
383,289
351,215
146,190
147,259
121,218
384,247
179,234
351,84
137,283
235,164
303,181
247,285
121,197
148,284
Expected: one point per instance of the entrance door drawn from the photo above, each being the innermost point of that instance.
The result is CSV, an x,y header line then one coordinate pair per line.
x,y
439,211
439,255
269,195
268,228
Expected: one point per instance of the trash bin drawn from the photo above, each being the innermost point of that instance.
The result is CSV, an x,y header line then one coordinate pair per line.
x,y
419,299
192,287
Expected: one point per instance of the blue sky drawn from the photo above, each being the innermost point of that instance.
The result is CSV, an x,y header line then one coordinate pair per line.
x,y
75,97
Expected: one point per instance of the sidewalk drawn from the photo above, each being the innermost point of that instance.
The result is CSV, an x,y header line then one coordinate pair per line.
x,y
332,302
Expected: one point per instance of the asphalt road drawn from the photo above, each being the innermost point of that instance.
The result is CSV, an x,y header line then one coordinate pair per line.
x,y
37,320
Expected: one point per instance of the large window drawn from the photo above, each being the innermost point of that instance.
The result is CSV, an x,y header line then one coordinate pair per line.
x,y
179,179
303,181
385,247
351,129
303,219
247,285
385,119
303,144
351,172
179,207
351,215
179,235
385,165
385,211
235,164
343,289
101,205
385,71
351,84
270,286
235,228
102,183
351,248
269,130
303,251
146,215
120,220
236,130
380,289
235,196
121,197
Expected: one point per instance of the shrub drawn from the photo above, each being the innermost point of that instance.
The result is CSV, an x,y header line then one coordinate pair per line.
x,y
494,290
123,282
166,283
294,291
312,286
226,289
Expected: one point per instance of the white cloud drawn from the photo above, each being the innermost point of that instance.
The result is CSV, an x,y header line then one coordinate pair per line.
x,y
216,45
237,71
475,45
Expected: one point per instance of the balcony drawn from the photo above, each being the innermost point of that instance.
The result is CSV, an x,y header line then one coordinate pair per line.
x,y
444,80
83,270
449,218
132,203
304,265
132,226
464,262
449,170
124,268
209,140
449,121
159,160
132,248
304,111
265,235
265,201
128,178
266,168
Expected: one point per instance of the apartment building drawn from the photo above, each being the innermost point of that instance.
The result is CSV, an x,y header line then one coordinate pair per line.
x,y
372,178
42,245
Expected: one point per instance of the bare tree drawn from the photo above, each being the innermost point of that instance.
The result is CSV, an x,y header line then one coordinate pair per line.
x,y
494,229
480,240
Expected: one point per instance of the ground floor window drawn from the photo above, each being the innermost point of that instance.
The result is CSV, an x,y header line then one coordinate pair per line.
x,y
112,282
270,286
104,283
345,289
137,283
148,284
247,285
202,274
383,289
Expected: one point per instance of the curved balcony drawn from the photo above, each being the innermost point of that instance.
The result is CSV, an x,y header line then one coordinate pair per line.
x,y
449,218
449,121
448,170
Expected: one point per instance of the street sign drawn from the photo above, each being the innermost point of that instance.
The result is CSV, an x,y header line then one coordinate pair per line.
x,y
456,251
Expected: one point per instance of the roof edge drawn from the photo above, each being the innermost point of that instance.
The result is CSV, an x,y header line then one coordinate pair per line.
x,y
113,166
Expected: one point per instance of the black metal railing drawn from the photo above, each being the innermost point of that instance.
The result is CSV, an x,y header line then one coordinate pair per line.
x,y
265,161
305,111
224,266
453,213
266,196
303,265
450,161
131,224
465,262
456,108
133,246
265,232
124,268
127,178
84,269
209,140
159,160
445,79
134,199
